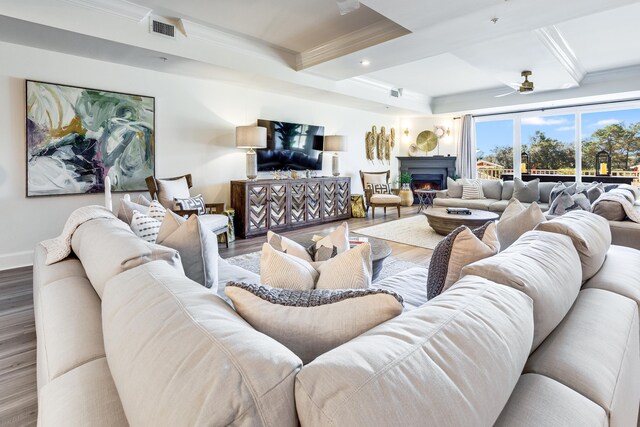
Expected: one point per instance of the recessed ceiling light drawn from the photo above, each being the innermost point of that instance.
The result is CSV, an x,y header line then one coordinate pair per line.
x,y
365,63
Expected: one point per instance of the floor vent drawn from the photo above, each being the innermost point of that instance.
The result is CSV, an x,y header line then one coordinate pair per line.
x,y
163,29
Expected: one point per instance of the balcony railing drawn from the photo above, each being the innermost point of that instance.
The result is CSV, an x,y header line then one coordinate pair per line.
x,y
495,173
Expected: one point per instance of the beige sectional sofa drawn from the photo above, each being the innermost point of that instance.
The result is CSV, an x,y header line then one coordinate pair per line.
x,y
160,350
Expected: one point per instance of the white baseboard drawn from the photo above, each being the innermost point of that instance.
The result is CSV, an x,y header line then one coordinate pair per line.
x,y
16,259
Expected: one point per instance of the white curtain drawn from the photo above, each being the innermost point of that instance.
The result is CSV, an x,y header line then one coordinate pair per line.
x,y
466,161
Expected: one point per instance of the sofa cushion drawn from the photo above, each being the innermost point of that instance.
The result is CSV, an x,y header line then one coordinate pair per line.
x,y
507,190
517,220
385,199
611,210
461,247
590,234
472,189
482,204
348,270
454,188
214,222
197,246
310,323
453,361
620,273
492,188
409,284
595,351
545,191
526,192
223,372
281,270
625,233
546,267
501,205
565,202
540,401
288,246
84,396
107,247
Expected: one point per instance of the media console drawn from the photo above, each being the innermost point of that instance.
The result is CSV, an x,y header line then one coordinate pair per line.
x,y
278,205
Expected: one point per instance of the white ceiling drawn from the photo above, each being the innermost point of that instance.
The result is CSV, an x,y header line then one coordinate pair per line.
x,y
448,57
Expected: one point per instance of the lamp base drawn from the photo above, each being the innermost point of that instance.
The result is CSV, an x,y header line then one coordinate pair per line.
x,y
252,165
335,163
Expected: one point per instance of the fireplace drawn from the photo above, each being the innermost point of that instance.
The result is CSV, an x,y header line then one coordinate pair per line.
x,y
428,172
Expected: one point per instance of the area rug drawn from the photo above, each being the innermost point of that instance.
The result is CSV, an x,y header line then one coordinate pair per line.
x,y
414,231
391,266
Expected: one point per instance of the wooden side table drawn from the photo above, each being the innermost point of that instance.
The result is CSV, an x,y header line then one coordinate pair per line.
x,y
425,197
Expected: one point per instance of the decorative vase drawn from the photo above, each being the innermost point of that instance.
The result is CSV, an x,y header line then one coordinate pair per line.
x,y
406,195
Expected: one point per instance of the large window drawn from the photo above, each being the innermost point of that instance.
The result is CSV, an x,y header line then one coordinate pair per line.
x,y
563,143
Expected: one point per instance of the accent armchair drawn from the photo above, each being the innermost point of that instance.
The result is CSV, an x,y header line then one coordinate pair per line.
x,y
378,193
166,190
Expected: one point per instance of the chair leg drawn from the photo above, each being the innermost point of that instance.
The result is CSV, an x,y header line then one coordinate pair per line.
x,y
398,211
226,237
373,212
385,211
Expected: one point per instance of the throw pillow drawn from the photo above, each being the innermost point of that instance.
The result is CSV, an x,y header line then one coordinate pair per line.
x,y
611,210
517,220
559,188
492,188
170,189
125,211
156,210
141,200
454,188
145,227
526,192
313,322
472,189
335,243
461,247
195,203
197,246
288,246
595,190
377,183
351,269
565,202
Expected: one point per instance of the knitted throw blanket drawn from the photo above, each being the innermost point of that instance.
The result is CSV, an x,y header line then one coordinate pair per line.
x,y
59,247
629,208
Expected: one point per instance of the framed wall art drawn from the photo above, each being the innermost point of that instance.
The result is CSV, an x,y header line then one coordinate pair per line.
x,y
78,136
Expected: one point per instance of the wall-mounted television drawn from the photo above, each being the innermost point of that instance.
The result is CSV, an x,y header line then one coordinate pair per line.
x,y
291,146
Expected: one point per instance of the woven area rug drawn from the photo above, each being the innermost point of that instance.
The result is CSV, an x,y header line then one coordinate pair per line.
x,y
414,231
391,266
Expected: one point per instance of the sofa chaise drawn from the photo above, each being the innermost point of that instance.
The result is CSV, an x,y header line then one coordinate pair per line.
x,y
124,338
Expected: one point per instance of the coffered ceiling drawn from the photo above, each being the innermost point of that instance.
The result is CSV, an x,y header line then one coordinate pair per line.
x,y
448,57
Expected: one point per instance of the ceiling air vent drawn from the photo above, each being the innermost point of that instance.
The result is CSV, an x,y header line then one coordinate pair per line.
x,y
396,93
162,28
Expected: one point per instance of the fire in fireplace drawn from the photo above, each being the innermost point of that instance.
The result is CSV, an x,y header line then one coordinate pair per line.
x,y
426,182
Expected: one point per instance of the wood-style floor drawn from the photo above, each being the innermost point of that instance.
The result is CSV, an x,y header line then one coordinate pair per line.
x,y
18,402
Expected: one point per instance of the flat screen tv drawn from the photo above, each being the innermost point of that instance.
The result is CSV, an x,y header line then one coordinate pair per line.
x,y
291,146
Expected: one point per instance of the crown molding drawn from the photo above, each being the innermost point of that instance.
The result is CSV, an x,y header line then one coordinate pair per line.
x,y
115,7
554,41
362,38
227,40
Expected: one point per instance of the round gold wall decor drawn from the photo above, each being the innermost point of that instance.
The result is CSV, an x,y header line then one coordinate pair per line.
x,y
427,140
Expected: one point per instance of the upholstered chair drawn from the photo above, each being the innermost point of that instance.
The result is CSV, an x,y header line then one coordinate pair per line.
x,y
167,190
378,192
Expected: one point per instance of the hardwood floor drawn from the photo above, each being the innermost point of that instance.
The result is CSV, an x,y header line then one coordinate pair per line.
x,y
18,402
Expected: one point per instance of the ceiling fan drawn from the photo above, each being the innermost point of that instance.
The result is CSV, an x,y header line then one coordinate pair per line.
x,y
347,6
524,88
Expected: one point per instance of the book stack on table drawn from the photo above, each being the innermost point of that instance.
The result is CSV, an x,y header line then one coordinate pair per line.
x,y
458,211
354,241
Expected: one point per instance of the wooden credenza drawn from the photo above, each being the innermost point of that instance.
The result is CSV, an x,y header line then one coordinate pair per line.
x,y
277,205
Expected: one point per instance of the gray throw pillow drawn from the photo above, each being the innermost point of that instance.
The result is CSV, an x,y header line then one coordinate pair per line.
x,y
454,188
125,211
507,190
526,192
461,247
315,321
569,202
594,190
517,220
197,246
492,188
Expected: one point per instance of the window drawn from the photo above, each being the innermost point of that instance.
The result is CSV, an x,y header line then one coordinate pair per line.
x,y
549,142
494,148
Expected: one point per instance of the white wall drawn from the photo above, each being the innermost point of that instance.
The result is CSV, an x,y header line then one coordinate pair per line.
x,y
446,144
195,122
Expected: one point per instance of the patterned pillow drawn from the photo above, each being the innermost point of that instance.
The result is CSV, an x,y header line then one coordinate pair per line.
x,y
313,322
288,246
145,227
472,189
565,202
461,247
335,243
191,203
156,210
377,183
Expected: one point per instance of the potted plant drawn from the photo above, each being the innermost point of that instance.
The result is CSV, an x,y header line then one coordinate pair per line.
x,y
406,195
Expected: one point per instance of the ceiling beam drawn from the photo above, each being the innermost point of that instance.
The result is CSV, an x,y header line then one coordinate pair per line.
x,y
120,8
555,42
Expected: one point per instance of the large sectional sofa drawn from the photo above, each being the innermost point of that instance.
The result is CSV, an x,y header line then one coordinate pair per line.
x,y
124,338
498,193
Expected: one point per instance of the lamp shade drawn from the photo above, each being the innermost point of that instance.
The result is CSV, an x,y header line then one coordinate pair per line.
x,y
251,137
335,143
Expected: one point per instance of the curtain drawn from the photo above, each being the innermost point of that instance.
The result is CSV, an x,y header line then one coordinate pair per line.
x,y
466,161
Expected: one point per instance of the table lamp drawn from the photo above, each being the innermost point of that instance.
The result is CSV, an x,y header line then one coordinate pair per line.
x,y
251,137
335,143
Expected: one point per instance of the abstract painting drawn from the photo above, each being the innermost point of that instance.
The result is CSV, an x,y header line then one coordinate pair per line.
x,y
77,136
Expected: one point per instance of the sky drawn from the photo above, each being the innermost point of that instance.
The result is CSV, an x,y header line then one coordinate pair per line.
x,y
561,127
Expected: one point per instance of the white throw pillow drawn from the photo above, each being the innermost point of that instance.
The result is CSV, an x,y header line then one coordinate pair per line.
x,y
517,220
335,243
348,270
156,210
472,189
311,323
288,246
170,189
145,227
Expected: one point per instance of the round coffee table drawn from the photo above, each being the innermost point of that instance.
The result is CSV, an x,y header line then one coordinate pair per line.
x,y
444,223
